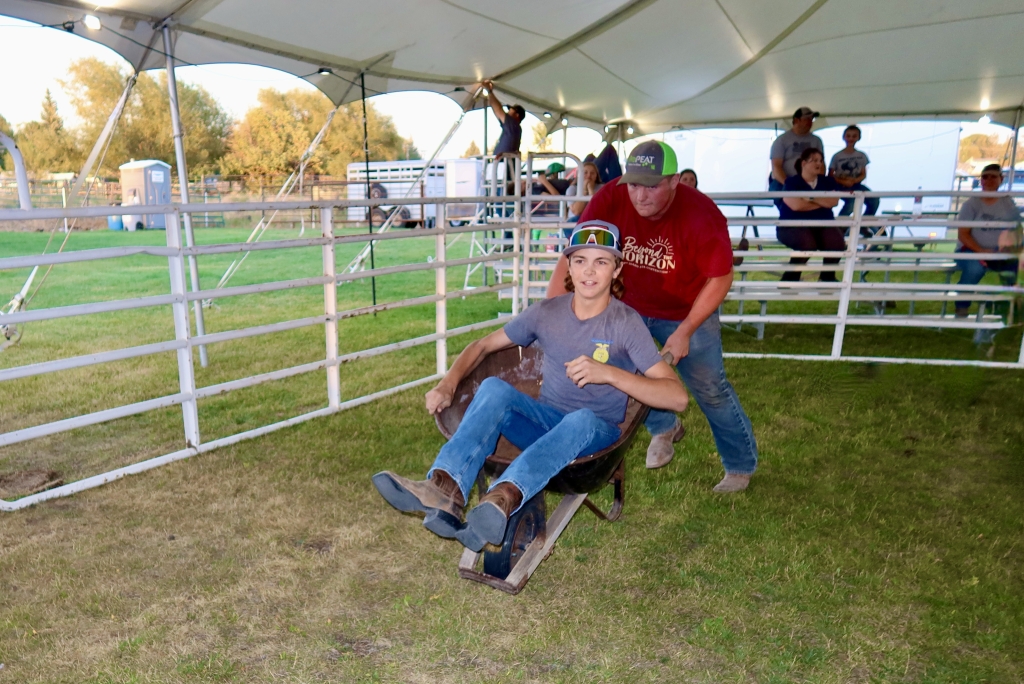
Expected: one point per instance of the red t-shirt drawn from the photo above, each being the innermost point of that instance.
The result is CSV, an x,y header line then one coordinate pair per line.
x,y
668,261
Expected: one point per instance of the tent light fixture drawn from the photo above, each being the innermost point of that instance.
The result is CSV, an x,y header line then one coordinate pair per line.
x,y
565,121
68,26
629,130
606,129
92,22
324,70
484,92
547,115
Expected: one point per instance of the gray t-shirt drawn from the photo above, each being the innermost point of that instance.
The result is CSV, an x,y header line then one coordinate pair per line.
x,y
975,210
789,146
616,336
848,164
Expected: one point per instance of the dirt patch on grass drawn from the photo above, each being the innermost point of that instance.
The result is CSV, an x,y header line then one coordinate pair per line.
x,y
25,482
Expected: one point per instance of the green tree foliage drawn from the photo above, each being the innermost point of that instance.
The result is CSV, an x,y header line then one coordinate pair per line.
x,y
46,144
144,131
273,136
980,146
472,150
541,141
5,158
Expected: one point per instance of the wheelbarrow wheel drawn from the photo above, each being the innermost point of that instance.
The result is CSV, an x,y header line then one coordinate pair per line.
x,y
525,525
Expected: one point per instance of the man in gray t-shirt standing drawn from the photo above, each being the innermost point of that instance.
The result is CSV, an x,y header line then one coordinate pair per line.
x,y
788,147
980,240
593,347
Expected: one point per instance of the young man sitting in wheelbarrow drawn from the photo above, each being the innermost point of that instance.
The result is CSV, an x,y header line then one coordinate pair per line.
x,y
593,345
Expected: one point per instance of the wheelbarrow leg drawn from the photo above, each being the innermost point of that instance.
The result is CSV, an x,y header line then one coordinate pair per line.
x,y
537,551
618,481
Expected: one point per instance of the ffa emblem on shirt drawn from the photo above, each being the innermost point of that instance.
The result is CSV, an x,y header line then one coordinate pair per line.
x,y
601,353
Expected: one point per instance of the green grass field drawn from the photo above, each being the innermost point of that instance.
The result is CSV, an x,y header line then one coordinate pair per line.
x,y
880,540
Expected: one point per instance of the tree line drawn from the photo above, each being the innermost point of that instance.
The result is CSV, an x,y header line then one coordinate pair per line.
x,y
270,139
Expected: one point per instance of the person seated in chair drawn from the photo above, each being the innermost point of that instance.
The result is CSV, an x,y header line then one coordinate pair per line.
x,y
593,347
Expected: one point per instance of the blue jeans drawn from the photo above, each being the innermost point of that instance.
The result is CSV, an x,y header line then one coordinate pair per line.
x,y
870,203
703,371
550,439
973,270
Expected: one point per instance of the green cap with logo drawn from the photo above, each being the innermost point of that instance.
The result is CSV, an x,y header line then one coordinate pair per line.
x,y
649,163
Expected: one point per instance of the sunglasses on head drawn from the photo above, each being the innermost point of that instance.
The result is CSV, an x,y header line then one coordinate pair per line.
x,y
599,237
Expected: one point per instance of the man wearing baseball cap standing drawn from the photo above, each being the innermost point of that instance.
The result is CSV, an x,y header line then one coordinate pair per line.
x,y
788,147
677,270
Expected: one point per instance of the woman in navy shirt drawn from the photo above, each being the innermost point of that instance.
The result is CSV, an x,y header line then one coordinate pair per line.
x,y
810,175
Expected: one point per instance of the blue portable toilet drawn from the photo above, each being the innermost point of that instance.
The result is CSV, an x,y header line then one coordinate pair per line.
x,y
146,182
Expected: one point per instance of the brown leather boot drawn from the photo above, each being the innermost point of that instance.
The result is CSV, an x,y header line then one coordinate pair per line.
x,y
440,493
446,522
486,523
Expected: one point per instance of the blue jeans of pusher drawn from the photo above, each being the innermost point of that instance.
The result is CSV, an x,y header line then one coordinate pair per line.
x,y
703,372
549,438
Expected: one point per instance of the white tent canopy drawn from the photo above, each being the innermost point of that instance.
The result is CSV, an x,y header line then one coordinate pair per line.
x,y
653,65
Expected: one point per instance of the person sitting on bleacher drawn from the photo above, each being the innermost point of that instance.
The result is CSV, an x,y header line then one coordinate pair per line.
x,y
810,170
591,184
688,177
980,240
849,168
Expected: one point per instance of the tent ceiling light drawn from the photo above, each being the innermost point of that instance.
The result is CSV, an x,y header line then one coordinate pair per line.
x,y
92,22
547,115
629,130
323,70
565,122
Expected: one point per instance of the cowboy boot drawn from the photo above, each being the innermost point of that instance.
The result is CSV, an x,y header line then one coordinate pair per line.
x,y
486,523
440,495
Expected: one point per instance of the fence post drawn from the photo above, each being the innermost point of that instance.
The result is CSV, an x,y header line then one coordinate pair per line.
x,y
527,228
441,288
182,333
517,219
848,269
331,309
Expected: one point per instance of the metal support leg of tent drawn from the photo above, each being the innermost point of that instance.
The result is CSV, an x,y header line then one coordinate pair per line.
x,y
102,140
369,210
1013,150
24,198
22,299
179,157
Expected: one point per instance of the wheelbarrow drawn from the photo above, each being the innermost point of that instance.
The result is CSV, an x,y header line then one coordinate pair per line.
x,y
530,535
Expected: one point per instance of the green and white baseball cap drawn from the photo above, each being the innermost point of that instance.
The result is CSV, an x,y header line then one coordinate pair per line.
x,y
649,163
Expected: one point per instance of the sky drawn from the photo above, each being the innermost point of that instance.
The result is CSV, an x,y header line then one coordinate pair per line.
x,y
904,155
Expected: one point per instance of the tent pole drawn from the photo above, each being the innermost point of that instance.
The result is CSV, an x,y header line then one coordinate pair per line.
x,y
101,141
24,198
369,210
1013,149
179,156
